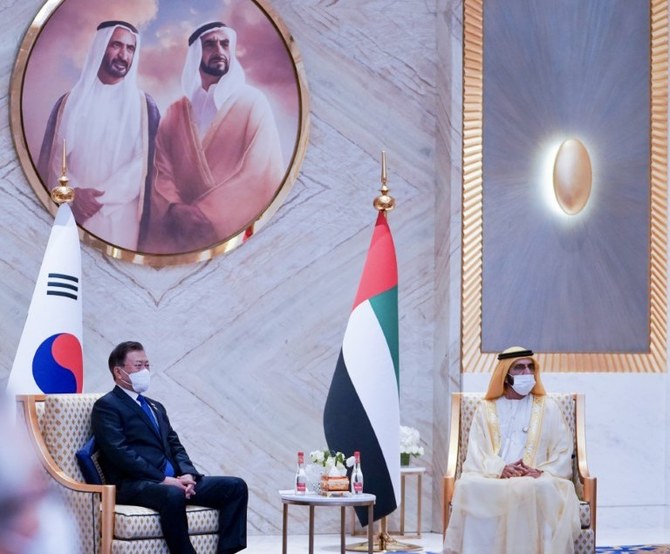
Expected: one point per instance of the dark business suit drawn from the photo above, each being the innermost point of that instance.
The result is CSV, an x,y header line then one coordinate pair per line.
x,y
133,457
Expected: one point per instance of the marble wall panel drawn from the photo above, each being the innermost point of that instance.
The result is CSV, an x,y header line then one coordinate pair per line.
x,y
446,350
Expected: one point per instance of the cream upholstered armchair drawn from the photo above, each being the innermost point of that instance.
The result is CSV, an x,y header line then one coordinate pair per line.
x,y
59,425
463,406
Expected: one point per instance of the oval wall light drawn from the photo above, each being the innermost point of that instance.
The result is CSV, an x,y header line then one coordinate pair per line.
x,y
572,176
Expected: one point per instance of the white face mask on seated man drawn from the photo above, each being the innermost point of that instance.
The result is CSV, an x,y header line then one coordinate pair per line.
x,y
523,384
134,372
140,380
520,376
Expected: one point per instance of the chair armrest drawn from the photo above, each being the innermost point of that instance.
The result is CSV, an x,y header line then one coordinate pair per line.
x,y
588,483
107,492
452,459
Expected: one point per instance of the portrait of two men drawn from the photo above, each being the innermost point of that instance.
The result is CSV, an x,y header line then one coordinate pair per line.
x,y
174,135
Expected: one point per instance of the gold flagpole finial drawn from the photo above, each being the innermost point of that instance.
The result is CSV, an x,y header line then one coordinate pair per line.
x,y
384,202
63,193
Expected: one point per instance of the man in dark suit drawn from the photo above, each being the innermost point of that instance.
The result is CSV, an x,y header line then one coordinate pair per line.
x,y
141,454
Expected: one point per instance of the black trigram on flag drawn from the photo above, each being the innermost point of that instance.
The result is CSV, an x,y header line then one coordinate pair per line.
x,y
60,284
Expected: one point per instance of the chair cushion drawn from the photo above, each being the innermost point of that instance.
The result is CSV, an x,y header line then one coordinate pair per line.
x,y
136,522
87,460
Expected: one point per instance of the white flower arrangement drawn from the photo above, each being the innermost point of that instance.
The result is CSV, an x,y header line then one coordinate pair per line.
x,y
410,441
333,463
329,459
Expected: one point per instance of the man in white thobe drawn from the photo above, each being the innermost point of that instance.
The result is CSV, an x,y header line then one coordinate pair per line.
x,y
515,495
108,126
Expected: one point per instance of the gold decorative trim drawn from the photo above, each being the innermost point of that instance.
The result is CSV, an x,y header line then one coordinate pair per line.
x,y
159,260
589,483
534,427
493,424
473,360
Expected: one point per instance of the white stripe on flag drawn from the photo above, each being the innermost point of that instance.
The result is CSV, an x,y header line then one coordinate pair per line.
x,y
370,366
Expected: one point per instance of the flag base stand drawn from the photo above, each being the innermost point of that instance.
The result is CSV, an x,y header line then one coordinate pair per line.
x,y
383,542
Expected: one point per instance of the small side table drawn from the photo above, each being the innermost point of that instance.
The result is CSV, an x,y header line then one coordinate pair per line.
x,y
405,471
312,500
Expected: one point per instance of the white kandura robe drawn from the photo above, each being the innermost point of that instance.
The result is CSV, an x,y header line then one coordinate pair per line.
x,y
109,159
520,515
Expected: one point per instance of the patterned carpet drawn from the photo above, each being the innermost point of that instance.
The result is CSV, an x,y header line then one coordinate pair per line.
x,y
649,548
631,549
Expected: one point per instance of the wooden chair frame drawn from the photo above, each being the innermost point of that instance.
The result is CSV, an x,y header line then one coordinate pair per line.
x,y
107,493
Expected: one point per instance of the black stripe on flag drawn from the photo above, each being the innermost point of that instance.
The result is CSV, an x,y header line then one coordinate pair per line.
x,y
61,293
75,288
55,286
63,276
348,428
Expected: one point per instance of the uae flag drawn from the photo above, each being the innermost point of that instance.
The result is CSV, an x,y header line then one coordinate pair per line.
x,y
49,357
362,409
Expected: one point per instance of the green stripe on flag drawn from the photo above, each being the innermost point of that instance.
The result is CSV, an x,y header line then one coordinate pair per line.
x,y
385,306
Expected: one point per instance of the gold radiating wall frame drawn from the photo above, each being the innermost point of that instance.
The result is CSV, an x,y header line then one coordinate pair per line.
x,y
473,360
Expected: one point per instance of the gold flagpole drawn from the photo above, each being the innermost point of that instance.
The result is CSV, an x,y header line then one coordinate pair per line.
x,y
384,202
63,193
384,542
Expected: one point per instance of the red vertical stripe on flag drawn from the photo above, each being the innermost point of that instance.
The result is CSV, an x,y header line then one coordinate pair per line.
x,y
380,272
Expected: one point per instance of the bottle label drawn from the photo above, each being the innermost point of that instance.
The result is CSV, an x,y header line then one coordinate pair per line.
x,y
301,488
358,488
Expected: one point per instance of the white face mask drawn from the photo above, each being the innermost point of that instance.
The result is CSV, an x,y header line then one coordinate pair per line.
x,y
139,380
523,384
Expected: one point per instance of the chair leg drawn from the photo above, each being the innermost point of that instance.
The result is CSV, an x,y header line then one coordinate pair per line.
x,y
107,504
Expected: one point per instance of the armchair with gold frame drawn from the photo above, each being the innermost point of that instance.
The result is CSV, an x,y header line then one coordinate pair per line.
x,y
463,407
59,425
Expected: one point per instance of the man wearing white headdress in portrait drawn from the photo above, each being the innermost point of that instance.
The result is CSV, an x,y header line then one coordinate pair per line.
x,y
108,126
218,155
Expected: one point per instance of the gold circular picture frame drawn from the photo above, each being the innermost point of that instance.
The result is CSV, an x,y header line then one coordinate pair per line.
x,y
181,136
